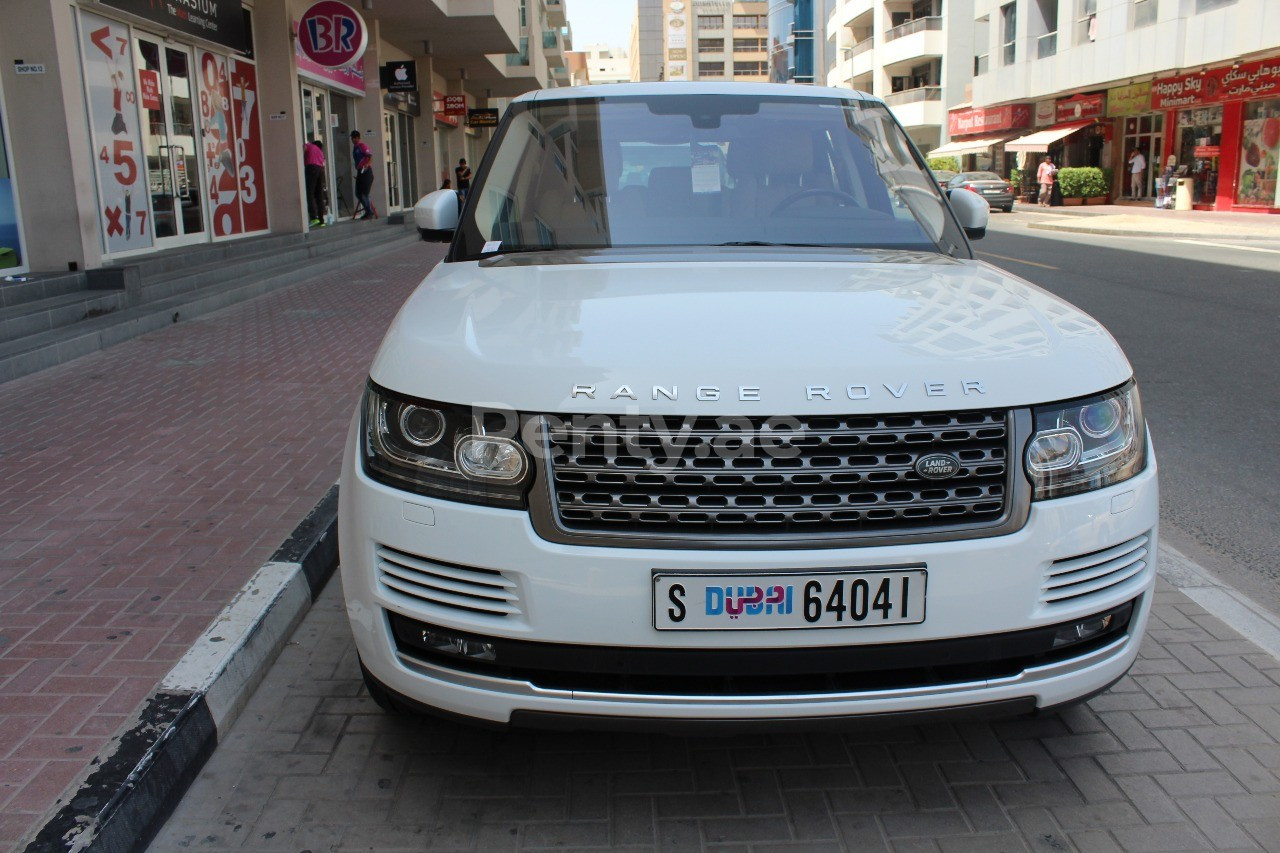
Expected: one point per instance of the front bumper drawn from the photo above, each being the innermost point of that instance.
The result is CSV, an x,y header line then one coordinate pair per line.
x,y
602,597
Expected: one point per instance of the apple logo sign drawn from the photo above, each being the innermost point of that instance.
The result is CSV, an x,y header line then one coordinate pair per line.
x,y
402,73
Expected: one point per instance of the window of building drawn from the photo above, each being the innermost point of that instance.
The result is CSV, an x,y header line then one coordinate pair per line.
x,y
750,44
1086,21
1260,145
1144,12
710,69
981,45
1044,23
750,68
746,22
711,45
711,22
1206,5
1008,33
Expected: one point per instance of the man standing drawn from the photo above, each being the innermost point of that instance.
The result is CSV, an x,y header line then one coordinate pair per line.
x,y
1045,177
313,169
363,157
463,174
1137,165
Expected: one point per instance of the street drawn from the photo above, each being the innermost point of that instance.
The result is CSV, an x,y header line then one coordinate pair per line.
x,y
1182,754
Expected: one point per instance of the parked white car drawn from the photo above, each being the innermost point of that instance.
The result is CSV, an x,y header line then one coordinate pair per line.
x,y
710,417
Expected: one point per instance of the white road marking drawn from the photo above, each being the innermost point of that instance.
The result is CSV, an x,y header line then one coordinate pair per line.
x,y
1231,246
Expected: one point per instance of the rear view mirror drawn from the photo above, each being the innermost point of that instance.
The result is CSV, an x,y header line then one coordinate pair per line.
x,y
436,215
972,212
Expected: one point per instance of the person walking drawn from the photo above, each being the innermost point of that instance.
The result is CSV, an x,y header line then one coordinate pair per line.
x,y
363,157
463,174
313,172
1137,166
1045,176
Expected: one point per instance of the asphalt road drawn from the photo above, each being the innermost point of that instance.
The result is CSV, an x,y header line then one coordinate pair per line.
x,y
1198,322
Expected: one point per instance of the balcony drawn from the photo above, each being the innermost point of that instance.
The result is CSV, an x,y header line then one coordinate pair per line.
x,y
861,59
920,107
847,11
912,41
556,15
1047,45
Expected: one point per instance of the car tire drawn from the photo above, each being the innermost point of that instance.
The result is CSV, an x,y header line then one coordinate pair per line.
x,y
425,235
381,696
1007,208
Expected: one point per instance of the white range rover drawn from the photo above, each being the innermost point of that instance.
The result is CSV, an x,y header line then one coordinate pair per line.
x,y
710,417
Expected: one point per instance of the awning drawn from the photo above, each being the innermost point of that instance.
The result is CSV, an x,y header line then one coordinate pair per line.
x,y
1042,139
966,146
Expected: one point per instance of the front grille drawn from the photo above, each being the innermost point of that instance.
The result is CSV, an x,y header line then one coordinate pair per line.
x,y
653,476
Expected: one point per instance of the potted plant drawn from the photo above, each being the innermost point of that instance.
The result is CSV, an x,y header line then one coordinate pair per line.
x,y
1081,183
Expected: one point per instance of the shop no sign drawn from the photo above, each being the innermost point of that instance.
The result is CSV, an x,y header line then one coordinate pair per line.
x,y
332,34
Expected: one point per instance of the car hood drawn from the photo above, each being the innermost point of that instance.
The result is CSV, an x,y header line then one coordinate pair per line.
x,y
749,336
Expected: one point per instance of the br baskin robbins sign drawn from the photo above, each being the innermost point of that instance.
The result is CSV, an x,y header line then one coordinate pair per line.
x,y
1251,80
217,21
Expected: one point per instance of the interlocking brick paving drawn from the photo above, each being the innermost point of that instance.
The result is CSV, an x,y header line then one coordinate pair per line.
x,y
141,486
1182,754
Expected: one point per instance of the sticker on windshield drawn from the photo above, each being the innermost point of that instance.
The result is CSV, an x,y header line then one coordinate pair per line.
x,y
491,246
706,169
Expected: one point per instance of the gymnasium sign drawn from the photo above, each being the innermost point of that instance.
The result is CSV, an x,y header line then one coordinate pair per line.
x,y
332,34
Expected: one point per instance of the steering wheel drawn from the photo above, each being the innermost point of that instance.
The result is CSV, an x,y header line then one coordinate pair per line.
x,y
813,193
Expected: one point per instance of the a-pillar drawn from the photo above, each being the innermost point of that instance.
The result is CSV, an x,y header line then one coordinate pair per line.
x,y
280,116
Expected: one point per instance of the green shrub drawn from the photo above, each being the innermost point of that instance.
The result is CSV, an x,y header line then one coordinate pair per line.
x,y
1082,182
949,164
1015,178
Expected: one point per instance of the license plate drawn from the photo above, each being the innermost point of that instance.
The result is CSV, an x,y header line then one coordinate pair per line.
x,y
685,601
991,192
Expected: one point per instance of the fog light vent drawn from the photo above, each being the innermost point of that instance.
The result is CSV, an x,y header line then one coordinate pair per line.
x,y
450,645
1093,627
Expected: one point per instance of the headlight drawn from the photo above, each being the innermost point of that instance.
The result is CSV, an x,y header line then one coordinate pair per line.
x,y
1087,444
445,451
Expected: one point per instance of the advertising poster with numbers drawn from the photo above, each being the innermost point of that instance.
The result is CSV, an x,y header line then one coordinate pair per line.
x,y
218,145
244,111
113,123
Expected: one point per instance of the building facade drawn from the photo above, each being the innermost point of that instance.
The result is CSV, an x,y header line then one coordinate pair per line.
x,y
915,54
127,129
599,63
1152,88
701,40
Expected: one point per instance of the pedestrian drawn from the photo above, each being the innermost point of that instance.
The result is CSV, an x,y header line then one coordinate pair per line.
x,y
363,157
1137,165
313,172
463,173
1046,175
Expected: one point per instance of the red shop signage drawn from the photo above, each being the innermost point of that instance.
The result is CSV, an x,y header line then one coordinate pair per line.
x,y
442,114
983,119
1251,80
332,34
455,105
1081,107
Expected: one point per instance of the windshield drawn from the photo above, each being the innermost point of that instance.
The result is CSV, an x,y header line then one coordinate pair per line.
x,y
703,170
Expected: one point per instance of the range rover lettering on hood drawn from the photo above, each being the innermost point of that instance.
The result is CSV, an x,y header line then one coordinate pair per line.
x,y
754,394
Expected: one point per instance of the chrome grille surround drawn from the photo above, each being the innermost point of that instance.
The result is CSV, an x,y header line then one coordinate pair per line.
x,y
605,480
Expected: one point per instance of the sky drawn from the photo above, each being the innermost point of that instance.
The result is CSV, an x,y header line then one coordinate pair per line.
x,y
601,21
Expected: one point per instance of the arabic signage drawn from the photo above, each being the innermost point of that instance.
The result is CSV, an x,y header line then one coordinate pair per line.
x,y
482,118
125,215
218,21
986,119
1250,80
1129,100
1080,107
332,34
399,76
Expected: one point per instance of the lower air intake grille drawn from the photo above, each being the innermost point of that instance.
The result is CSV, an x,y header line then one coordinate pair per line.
x,y
447,585
1093,573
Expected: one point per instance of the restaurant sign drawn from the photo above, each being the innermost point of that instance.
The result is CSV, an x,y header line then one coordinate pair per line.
x,y
986,119
1080,108
1250,80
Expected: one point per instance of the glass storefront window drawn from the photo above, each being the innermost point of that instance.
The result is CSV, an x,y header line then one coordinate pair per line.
x,y
1199,147
11,255
1259,155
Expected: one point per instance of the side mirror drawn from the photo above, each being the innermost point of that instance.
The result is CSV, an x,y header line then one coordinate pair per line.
x,y
972,211
436,215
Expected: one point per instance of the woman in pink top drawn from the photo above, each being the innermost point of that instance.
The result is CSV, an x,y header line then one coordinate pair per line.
x,y
313,169
1045,176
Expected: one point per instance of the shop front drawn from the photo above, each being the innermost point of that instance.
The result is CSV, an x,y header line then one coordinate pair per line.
x,y
977,136
327,97
1140,130
13,256
173,121
1224,134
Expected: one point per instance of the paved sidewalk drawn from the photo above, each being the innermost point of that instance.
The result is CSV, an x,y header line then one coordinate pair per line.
x,y
1183,754
1146,221
141,487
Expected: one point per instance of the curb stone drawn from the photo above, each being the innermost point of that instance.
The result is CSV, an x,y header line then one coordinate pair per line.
x,y
135,783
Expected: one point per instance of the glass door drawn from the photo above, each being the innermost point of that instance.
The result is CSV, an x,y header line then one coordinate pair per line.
x,y
408,162
315,125
170,142
391,156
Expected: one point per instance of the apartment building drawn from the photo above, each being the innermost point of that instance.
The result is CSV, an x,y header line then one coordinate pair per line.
x,y
127,130
701,40
599,63
1192,86
915,54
